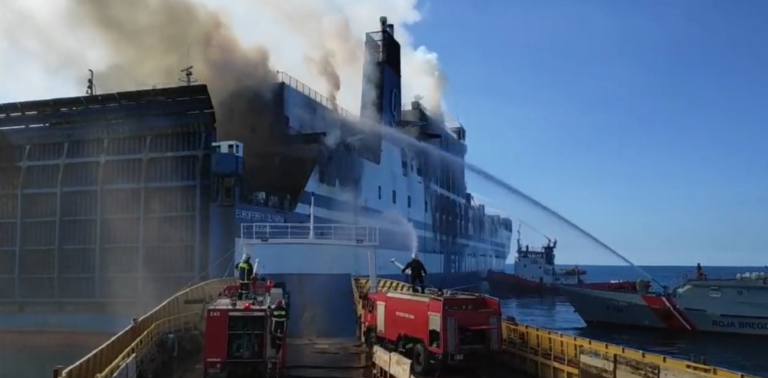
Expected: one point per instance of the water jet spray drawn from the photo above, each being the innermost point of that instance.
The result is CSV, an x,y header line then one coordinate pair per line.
x,y
393,135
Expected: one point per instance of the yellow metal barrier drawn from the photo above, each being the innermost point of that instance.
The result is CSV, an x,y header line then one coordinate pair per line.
x,y
185,323
186,301
384,285
546,354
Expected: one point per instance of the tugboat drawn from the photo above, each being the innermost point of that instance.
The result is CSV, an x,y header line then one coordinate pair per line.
x,y
728,305
535,273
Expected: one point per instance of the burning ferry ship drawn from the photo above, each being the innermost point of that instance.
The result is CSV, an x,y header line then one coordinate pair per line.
x,y
111,202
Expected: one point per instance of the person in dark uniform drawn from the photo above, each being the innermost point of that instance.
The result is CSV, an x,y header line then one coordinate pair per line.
x,y
244,275
277,329
418,271
700,275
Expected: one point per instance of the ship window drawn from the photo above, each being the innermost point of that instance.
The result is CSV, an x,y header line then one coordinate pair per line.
x,y
394,196
404,161
379,191
426,206
409,202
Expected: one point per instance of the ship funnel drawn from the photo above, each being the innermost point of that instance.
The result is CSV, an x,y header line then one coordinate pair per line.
x,y
381,100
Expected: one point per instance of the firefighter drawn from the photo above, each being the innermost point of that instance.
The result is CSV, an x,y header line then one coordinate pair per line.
x,y
244,275
277,329
418,271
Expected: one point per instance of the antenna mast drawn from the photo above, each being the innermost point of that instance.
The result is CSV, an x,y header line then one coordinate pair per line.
x,y
90,89
187,78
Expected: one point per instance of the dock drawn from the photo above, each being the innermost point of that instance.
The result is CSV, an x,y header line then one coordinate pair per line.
x,y
528,351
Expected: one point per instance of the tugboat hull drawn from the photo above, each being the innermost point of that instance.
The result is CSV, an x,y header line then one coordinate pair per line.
x,y
506,284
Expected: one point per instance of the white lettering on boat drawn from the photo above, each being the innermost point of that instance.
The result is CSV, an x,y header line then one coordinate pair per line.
x,y
259,217
740,324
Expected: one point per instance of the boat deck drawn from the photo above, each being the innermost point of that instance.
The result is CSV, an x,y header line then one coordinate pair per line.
x,y
528,351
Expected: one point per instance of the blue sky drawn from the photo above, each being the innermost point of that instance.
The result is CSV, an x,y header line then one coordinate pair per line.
x,y
642,121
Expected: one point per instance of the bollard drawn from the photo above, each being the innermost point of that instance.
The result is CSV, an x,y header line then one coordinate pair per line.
x,y
57,371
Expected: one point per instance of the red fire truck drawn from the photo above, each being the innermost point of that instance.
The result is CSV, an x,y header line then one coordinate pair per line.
x,y
434,331
245,333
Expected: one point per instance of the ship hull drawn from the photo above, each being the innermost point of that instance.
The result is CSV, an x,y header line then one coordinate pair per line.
x,y
708,322
604,307
597,307
726,305
506,284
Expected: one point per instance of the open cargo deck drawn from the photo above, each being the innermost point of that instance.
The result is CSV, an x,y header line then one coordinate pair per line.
x,y
528,351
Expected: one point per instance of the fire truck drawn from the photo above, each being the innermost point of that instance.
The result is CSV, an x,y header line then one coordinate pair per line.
x,y
435,330
245,332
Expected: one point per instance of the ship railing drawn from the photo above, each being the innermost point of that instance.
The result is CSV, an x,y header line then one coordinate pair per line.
x,y
313,94
306,233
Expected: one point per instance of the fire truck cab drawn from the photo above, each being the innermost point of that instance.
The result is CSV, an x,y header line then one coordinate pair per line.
x,y
434,331
246,337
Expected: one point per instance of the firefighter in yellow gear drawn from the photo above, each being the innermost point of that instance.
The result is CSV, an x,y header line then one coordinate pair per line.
x,y
244,275
279,315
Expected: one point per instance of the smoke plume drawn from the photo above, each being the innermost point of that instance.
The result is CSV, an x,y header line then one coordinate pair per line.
x,y
48,46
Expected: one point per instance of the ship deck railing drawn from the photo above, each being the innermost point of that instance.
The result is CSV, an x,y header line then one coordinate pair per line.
x,y
306,90
307,233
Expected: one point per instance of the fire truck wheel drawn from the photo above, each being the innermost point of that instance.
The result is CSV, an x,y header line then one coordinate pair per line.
x,y
420,362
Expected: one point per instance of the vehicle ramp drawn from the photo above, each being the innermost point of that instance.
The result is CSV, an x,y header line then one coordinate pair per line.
x,y
322,305
322,325
321,299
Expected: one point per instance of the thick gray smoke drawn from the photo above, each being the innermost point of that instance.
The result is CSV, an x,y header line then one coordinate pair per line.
x,y
141,46
140,43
